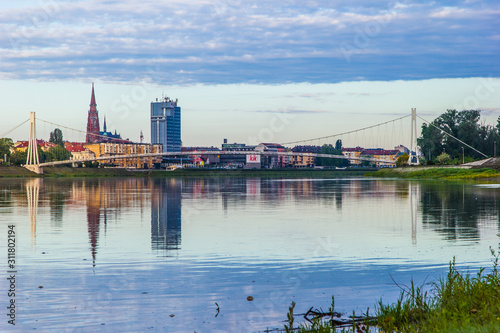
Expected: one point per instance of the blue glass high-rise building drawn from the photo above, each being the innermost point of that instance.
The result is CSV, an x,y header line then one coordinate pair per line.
x,y
166,124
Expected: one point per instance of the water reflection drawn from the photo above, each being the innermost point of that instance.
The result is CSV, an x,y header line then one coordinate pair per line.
x,y
274,239
166,208
453,211
457,211
32,192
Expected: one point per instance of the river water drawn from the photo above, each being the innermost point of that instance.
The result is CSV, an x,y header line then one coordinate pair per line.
x,y
161,255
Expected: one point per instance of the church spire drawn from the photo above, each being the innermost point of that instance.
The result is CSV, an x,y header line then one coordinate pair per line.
x,y
92,98
104,127
93,133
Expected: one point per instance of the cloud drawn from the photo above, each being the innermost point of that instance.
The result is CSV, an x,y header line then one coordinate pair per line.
x,y
237,41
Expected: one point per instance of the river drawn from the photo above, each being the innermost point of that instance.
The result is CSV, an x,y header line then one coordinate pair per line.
x,y
183,255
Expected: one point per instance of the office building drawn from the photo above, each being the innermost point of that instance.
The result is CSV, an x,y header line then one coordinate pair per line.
x,y
166,124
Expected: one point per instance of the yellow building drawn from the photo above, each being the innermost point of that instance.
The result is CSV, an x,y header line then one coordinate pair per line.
x,y
304,161
107,149
383,157
352,153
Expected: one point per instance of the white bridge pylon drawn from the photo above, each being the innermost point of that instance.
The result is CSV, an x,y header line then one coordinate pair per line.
x,y
32,160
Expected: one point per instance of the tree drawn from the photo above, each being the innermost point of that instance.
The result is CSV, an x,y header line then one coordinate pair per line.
x,y
330,149
18,157
56,137
57,153
443,158
5,145
464,125
402,160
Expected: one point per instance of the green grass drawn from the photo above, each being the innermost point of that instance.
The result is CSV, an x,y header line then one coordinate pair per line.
x,y
66,171
438,173
460,302
15,171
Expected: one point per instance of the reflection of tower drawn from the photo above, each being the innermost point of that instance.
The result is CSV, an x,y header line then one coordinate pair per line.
x,y
32,190
93,220
166,214
414,195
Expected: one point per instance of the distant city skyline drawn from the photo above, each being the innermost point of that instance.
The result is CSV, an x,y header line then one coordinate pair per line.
x,y
240,68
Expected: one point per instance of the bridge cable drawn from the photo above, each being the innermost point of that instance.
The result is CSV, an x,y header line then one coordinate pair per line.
x,y
430,123
4,134
339,134
76,130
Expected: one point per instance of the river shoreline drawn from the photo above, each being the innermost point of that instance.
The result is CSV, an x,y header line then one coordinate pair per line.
x,y
55,172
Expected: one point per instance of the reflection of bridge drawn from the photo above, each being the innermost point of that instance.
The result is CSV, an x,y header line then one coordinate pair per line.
x,y
33,164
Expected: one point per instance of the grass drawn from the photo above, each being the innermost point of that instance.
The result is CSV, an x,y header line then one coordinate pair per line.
x,y
438,173
66,171
460,302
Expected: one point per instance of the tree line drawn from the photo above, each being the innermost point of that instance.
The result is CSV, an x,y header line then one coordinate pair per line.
x,y
439,138
57,153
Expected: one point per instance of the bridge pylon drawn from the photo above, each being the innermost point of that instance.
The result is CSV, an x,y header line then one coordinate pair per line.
x,y
413,159
32,160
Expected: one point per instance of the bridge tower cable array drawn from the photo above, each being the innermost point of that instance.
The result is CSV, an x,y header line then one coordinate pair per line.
x,y
32,157
348,132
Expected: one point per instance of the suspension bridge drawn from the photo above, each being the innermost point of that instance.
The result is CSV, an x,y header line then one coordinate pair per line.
x,y
33,161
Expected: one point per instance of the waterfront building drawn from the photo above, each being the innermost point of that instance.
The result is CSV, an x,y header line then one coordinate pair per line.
x,y
273,161
93,132
236,160
304,161
166,124
382,156
109,149
23,145
78,151
209,156
353,152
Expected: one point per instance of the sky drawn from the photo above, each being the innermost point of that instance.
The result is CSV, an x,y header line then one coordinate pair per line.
x,y
249,71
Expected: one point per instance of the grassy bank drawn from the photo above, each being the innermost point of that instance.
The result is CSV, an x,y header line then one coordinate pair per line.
x,y
9,172
459,302
438,173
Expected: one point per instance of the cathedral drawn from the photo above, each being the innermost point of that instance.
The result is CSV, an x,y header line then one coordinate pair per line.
x,y
94,134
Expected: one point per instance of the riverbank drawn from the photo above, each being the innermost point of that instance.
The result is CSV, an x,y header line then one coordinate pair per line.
x,y
445,173
459,302
51,172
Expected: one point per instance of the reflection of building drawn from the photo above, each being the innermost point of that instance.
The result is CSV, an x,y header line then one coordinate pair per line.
x,y
166,124
166,214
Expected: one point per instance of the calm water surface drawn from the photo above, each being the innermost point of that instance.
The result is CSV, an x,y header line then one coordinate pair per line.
x,y
155,255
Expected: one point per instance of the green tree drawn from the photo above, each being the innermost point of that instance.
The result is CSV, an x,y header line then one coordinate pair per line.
x,y
443,158
402,160
330,149
463,125
57,153
5,145
18,157
56,137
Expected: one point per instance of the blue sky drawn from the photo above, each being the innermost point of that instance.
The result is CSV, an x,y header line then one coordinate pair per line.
x,y
235,64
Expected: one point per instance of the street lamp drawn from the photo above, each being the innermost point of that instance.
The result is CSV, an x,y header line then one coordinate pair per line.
x,y
463,157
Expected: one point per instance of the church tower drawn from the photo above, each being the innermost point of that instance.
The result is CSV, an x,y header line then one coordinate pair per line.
x,y
93,129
